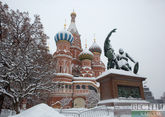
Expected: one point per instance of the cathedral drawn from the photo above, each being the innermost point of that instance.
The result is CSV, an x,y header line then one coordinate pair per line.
x,y
76,68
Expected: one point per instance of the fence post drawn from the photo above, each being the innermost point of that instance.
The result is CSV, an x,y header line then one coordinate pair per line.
x,y
78,114
107,110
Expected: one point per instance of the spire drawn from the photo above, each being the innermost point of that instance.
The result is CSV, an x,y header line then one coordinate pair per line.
x,y
72,27
85,43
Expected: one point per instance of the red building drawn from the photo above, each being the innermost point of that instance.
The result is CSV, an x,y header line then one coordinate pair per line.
x,y
76,69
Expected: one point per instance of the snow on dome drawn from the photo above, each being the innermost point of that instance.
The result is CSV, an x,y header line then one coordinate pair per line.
x,y
95,48
40,110
63,35
86,54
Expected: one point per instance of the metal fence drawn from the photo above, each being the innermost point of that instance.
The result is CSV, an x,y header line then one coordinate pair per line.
x,y
99,111
6,113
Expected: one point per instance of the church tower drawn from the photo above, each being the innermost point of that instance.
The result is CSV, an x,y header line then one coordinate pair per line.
x,y
63,60
75,47
97,65
63,56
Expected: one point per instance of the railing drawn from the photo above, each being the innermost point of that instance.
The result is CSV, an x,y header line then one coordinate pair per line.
x,y
6,113
99,111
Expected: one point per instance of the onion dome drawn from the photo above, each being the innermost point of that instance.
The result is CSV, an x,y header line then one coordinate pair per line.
x,y
64,35
73,13
86,54
95,48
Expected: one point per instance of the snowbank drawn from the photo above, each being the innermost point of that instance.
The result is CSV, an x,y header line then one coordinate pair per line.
x,y
40,110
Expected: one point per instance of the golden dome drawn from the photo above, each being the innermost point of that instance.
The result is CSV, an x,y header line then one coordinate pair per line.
x,y
73,13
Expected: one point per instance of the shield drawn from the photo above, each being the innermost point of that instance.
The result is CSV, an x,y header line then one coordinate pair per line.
x,y
136,68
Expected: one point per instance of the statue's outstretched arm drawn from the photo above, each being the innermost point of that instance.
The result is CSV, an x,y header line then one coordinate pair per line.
x,y
114,30
130,58
107,42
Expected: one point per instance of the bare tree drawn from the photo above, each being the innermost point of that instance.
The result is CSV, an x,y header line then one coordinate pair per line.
x,y
63,102
25,63
92,99
163,97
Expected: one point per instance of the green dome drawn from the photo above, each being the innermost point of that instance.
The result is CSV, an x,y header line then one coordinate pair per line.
x,y
86,54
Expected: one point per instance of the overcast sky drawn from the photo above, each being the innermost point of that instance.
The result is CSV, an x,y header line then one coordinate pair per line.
x,y
140,28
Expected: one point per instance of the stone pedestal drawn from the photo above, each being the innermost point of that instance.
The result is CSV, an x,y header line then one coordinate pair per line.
x,y
115,84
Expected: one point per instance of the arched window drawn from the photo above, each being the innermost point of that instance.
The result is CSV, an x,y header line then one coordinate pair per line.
x,y
77,86
66,86
83,87
70,86
60,69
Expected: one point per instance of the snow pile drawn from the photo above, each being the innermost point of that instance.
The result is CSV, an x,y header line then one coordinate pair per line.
x,y
40,110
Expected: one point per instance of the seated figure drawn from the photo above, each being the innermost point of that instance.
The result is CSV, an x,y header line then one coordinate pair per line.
x,y
122,58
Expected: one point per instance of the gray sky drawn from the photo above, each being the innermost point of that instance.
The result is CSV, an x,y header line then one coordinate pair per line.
x,y
140,28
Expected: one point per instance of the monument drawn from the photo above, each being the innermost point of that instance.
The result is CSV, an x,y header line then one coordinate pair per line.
x,y
120,83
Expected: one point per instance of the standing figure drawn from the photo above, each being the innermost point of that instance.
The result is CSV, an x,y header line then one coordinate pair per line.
x,y
109,52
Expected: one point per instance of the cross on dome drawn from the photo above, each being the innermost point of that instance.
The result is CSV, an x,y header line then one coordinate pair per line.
x,y
94,38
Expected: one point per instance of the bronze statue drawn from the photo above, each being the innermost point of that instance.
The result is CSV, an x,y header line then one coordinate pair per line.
x,y
109,52
119,61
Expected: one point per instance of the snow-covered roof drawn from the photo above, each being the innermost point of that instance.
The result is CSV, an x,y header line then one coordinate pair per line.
x,y
119,72
40,110
97,84
86,54
118,100
72,28
63,74
84,78
86,67
95,48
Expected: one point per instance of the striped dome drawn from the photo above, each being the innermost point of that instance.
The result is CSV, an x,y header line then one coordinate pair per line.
x,y
86,54
63,35
95,48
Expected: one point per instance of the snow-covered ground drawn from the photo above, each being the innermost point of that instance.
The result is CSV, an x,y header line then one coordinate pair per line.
x,y
43,110
40,110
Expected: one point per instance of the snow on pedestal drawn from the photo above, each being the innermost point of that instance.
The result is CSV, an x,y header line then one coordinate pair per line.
x,y
40,110
120,72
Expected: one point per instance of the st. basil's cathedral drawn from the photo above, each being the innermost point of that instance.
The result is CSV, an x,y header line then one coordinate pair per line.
x,y
76,68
